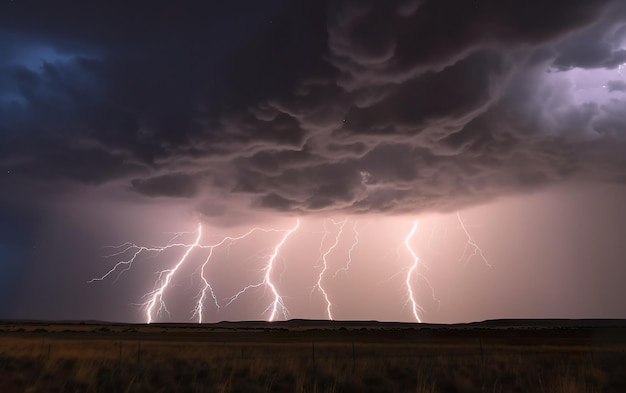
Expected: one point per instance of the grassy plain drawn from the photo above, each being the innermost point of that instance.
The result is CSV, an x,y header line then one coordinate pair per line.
x,y
309,356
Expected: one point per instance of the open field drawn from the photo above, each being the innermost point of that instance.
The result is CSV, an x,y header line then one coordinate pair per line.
x,y
314,356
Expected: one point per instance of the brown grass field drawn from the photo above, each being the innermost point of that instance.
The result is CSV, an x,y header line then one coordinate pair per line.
x,y
313,356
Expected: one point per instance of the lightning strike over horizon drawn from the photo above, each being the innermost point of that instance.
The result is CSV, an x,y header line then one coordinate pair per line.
x,y
320,277
206,286
169,273
334,232
165,276
415,308
350,251
267,280
278,301
198,310
477,251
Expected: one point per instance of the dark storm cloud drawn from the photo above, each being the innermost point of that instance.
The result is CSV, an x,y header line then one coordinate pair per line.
x,y
359,106
598,46
172,185
380,41
456,92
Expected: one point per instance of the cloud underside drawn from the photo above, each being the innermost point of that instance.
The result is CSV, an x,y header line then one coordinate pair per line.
x,y
395,106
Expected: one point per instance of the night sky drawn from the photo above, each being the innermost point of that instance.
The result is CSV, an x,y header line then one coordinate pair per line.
x,y
491,124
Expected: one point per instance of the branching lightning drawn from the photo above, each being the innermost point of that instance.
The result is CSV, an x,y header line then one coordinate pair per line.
x,y
476,250
127,264
350,251
277,303
320,277
203,254
415,308
157,294
206,286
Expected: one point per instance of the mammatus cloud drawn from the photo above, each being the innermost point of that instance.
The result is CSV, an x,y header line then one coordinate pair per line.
x,y
399,106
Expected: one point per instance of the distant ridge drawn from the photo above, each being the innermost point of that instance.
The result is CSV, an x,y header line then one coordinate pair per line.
x,y
337,324
491,323
569,323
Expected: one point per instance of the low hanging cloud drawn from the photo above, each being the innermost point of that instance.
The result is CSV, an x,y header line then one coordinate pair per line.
x,y
376,106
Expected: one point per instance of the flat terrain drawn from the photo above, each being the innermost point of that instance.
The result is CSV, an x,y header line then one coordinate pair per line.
x,y
314,356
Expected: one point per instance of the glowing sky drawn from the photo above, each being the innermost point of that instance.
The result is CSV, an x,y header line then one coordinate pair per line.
x,y
122,124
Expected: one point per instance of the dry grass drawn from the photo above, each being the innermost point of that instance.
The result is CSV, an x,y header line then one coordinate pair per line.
x,y
113,363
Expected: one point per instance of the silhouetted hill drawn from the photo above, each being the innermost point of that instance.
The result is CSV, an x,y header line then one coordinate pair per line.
x,y
305,324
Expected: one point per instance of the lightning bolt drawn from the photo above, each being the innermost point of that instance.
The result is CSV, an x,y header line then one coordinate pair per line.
x,y
278,302
415,308
157,294
352,247
320,277
165,276
206,286
204,252
127,264
470,243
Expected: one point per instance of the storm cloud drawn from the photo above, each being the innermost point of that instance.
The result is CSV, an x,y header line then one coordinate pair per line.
x,y
362,107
